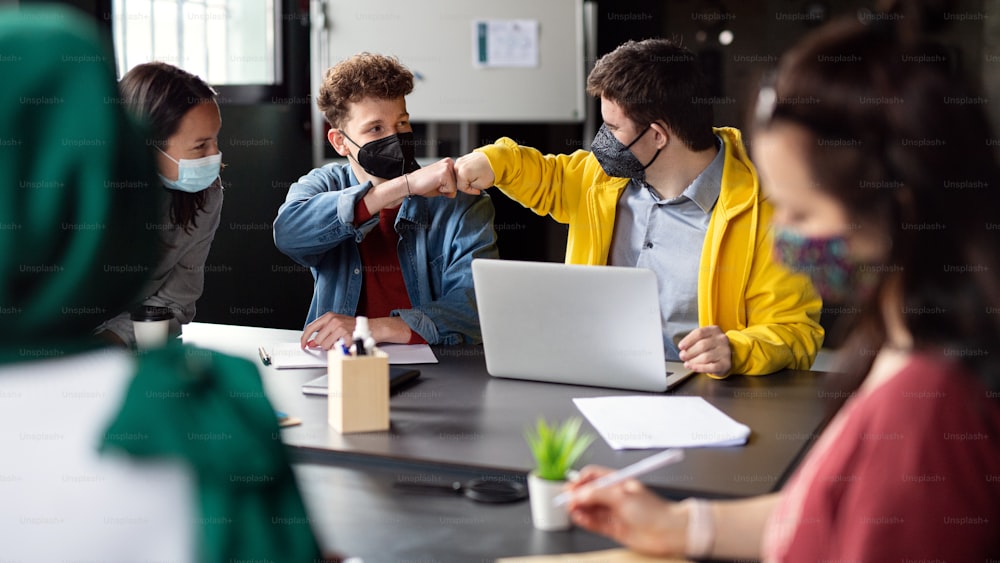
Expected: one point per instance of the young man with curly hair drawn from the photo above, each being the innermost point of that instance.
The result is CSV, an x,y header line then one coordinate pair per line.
x,y
383,237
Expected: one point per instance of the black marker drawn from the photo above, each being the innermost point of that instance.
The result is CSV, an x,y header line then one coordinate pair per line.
x,y
361,334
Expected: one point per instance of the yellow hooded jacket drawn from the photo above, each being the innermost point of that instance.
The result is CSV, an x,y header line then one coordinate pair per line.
x,y
770,314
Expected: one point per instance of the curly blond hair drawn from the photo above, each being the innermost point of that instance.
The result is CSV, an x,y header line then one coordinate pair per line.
x,y
365,75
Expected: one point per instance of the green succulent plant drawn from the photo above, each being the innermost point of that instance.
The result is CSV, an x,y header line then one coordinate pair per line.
x,y
557,447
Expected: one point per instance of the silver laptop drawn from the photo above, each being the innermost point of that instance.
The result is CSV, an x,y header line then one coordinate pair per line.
x,y
584,325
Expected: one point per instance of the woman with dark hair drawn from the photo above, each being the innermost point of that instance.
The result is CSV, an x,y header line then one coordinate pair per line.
x,y
183,123
885,189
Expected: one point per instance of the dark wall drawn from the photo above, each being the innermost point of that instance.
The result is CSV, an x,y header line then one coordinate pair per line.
x,y
266,146
247,281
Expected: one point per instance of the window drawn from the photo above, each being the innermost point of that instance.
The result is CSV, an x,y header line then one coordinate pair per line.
x,y
225,42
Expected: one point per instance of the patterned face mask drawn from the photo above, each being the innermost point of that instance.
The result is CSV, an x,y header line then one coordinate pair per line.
x,y
826,261
615,158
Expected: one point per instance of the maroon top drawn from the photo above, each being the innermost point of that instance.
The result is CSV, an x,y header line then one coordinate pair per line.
x,y
909,470
382,286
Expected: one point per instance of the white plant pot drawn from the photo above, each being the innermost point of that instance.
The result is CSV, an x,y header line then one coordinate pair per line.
x,y
545,515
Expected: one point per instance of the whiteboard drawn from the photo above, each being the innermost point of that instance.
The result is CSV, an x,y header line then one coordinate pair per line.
x,y
434,39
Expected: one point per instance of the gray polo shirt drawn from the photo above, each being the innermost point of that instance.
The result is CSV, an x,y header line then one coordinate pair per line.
x,y
666,236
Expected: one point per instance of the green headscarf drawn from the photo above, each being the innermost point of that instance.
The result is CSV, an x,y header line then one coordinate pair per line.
x,y
77,202
77,240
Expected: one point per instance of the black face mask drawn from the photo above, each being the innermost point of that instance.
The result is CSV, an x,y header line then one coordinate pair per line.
x,y
615,158
389,157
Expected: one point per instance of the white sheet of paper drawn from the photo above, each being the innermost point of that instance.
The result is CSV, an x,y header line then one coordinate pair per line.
x,y
288,355
643,422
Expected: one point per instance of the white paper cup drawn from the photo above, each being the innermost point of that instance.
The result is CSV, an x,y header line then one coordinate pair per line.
x,y
151,326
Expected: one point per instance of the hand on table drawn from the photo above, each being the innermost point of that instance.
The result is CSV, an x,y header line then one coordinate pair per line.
x,y
330,327
707,350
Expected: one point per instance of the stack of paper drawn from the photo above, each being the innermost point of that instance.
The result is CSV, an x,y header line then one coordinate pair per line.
x,y
288,355
642,422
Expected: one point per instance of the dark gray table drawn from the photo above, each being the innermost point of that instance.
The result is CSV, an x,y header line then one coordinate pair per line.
x,y
457,417
356,510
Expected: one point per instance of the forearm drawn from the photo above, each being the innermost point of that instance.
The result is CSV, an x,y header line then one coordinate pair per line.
x,y
390,330
388,194
739,526
444,322
546,184
305,228
452,317
121,327
767,348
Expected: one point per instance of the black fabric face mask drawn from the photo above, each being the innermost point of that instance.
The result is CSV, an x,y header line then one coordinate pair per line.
x,y
389,157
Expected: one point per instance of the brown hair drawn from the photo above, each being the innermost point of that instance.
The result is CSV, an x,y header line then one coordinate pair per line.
x,y
365,75
903,144
159,95
657,80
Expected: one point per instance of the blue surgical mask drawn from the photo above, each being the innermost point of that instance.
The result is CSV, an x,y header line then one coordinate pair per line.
x,y
195,175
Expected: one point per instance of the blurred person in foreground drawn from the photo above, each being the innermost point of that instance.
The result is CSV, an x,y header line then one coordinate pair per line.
x,y
173,454
885,191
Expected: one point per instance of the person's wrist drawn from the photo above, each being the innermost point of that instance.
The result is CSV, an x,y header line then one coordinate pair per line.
x,y
408,192
386,194
700,529
392,330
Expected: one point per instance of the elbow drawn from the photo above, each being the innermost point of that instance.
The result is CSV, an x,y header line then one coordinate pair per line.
x,y
284,239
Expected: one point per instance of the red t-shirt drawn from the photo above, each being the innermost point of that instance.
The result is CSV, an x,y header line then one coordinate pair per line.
x,y
911,472
382,286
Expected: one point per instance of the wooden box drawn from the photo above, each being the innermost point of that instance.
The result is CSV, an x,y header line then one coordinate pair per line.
x,y
358,398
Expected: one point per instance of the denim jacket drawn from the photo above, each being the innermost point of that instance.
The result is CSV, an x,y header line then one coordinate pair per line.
x,y
439,238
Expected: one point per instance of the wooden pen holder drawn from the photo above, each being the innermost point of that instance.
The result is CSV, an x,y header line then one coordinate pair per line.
x,y
358,399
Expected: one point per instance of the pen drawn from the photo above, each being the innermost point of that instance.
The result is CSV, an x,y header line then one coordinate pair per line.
x,y
265,358
652,462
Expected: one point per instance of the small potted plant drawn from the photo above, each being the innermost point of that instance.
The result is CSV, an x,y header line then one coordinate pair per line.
x,y
555,449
